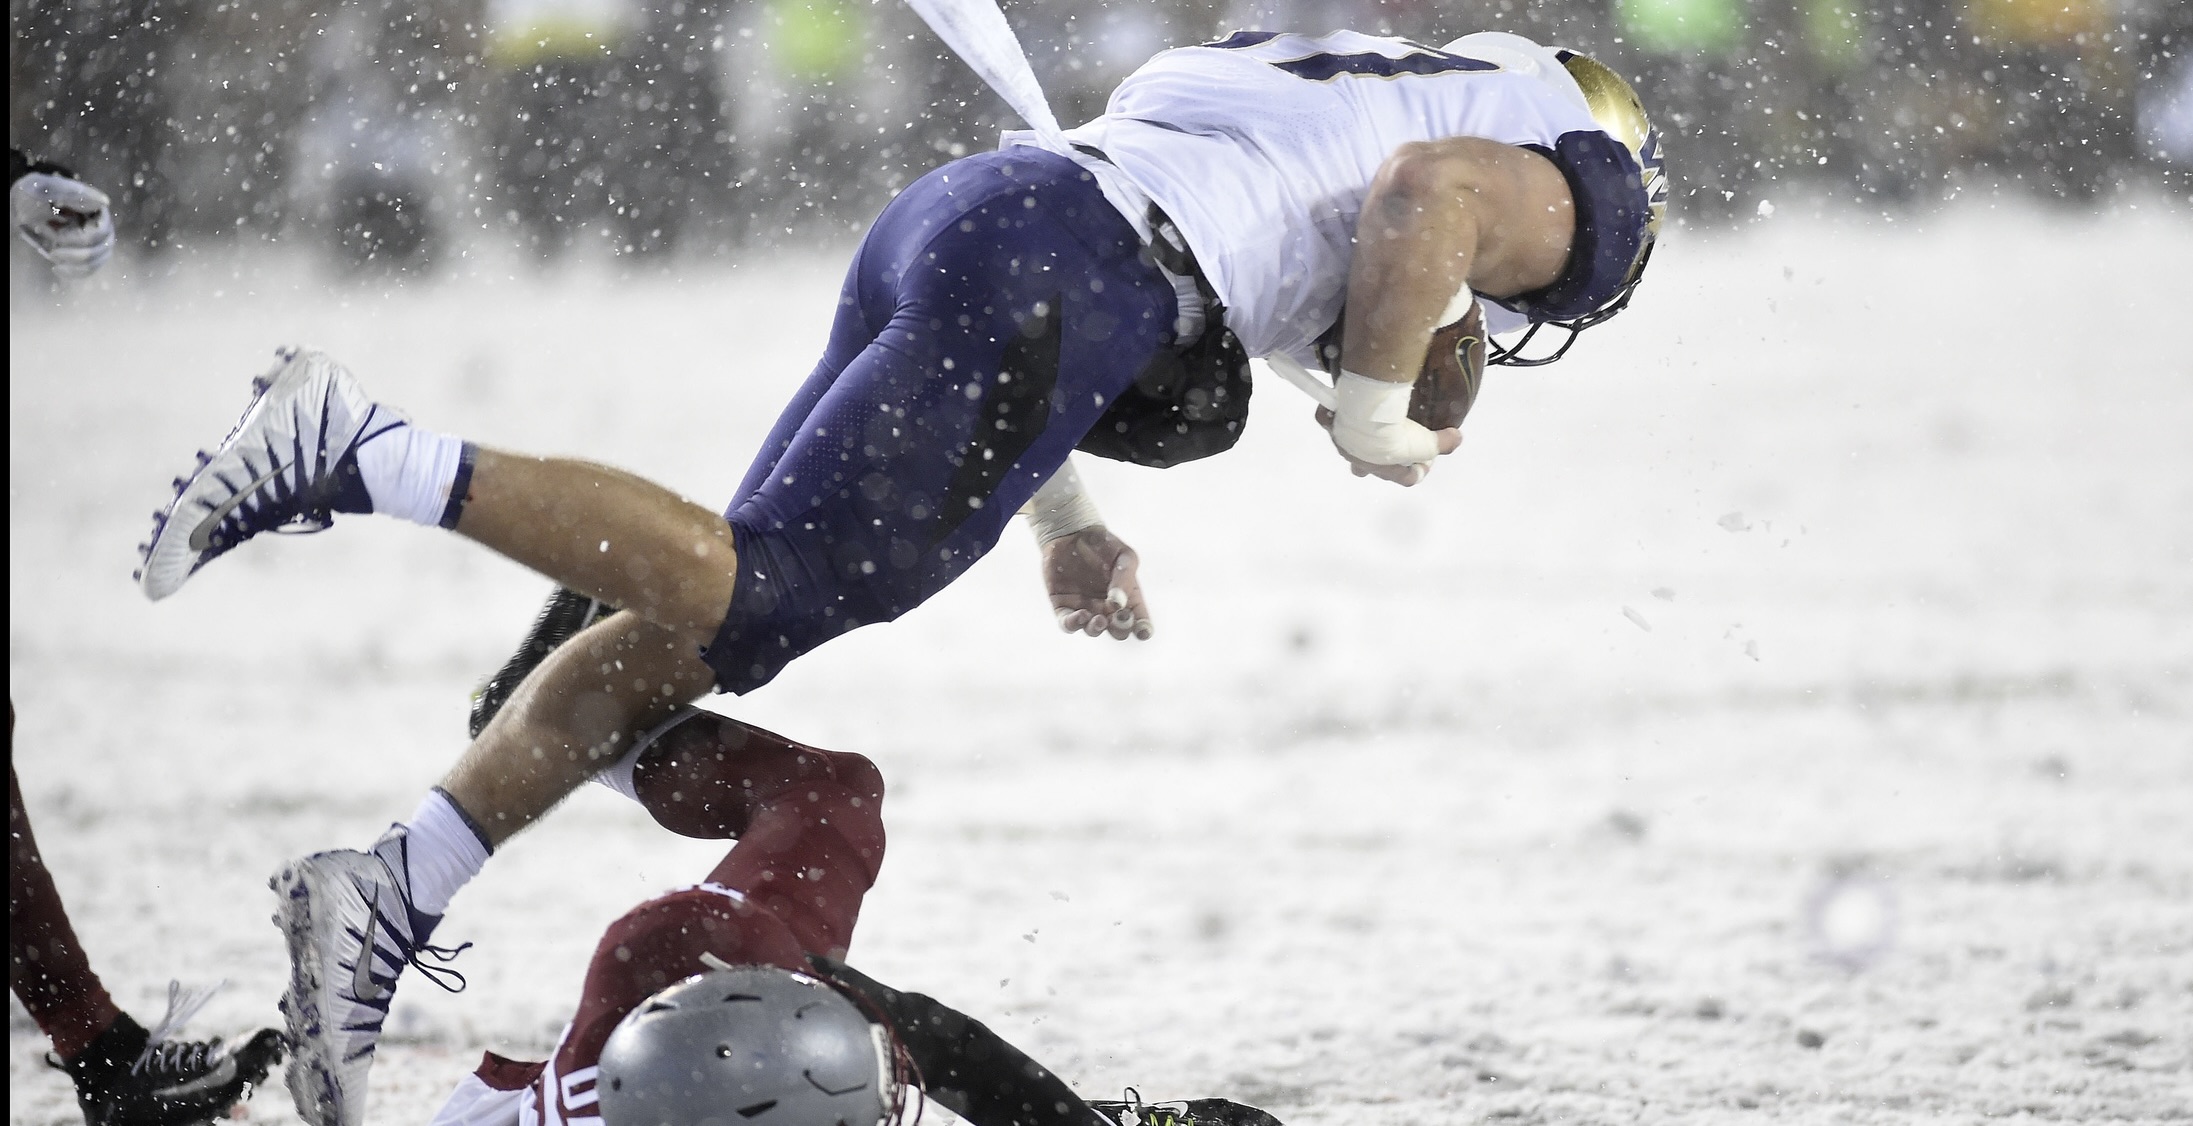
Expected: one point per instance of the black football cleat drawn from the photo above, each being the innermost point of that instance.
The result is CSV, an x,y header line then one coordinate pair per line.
x,y
566,614
1191,1112
126,1078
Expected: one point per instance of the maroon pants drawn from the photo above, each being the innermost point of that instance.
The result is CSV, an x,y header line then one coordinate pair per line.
x,y
809,827
46,965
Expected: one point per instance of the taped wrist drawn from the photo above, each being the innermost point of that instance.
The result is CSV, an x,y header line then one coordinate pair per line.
x,y
1464,300
1060,508
1371,422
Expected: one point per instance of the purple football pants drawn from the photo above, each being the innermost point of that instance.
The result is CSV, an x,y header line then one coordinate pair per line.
x,y
994,311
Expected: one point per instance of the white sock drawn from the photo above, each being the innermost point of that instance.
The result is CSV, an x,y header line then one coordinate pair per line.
x,y
618,775
416,474
445,852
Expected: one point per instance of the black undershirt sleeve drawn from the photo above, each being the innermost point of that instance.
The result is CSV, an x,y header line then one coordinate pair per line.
x,y
966,1067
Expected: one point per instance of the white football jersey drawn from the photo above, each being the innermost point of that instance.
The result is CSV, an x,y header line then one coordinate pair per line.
x,y
1262,146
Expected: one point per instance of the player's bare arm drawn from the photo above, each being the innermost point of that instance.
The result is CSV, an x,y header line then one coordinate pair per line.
x,y
1442,220
1441,215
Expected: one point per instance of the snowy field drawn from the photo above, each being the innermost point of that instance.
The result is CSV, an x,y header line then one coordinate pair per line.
x,y
1782,710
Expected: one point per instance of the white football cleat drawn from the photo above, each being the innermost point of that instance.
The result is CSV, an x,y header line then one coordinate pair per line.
x,y
351,930
289,465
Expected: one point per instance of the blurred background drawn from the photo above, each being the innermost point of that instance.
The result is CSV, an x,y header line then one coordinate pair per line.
x,y
397,136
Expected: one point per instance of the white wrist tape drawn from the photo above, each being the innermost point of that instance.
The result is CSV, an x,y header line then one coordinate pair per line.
x,y
1371,422
1459,307
1060,508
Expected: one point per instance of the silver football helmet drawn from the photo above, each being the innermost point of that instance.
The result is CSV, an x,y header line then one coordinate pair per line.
x,y
748,1046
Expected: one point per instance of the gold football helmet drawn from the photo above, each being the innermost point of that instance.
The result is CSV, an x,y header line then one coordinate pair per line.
x,y
1616,108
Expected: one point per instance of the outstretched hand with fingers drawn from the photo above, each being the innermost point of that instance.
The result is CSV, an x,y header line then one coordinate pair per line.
x,y
1091,575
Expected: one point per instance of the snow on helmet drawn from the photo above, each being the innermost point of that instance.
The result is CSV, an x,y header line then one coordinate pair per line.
x,y
747,1046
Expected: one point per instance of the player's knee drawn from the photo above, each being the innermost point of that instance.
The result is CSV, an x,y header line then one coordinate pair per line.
x,y
858,775
708,776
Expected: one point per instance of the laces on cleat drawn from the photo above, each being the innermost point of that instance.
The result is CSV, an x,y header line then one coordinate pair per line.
x,y
437,974
183,1004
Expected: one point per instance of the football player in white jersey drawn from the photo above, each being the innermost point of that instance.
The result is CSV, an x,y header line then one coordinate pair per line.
x,y
1301,198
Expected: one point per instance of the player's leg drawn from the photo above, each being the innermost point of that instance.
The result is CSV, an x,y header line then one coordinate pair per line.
x,y
810,821
535,743
569,718
568,611
47,968
613,535
962,367
355,920
313,444
124,1074
1010,305
584,704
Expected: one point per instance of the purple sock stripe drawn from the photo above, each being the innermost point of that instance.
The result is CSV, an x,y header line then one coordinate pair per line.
x,y
462,813
455,508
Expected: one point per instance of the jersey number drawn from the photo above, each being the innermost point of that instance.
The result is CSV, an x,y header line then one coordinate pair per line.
x,y
1369,64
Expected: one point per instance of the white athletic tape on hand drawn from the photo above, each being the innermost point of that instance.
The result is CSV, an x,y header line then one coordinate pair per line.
x,y
1060,508
1371,422
1459,307
976,30
1300,376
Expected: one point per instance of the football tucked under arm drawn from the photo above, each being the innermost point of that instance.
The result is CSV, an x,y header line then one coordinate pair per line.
x,y
1454,366
1440,396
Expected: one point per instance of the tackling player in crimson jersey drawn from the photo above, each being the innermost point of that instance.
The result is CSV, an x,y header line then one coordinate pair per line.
x,y
810,831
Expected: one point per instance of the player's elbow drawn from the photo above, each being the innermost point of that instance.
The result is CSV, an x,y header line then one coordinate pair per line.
x,y
1422,170
1430,177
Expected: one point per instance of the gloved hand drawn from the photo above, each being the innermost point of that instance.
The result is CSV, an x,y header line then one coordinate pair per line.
x,y
65,220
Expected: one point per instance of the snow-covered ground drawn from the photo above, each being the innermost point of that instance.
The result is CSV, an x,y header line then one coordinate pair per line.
x,y
1782,709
